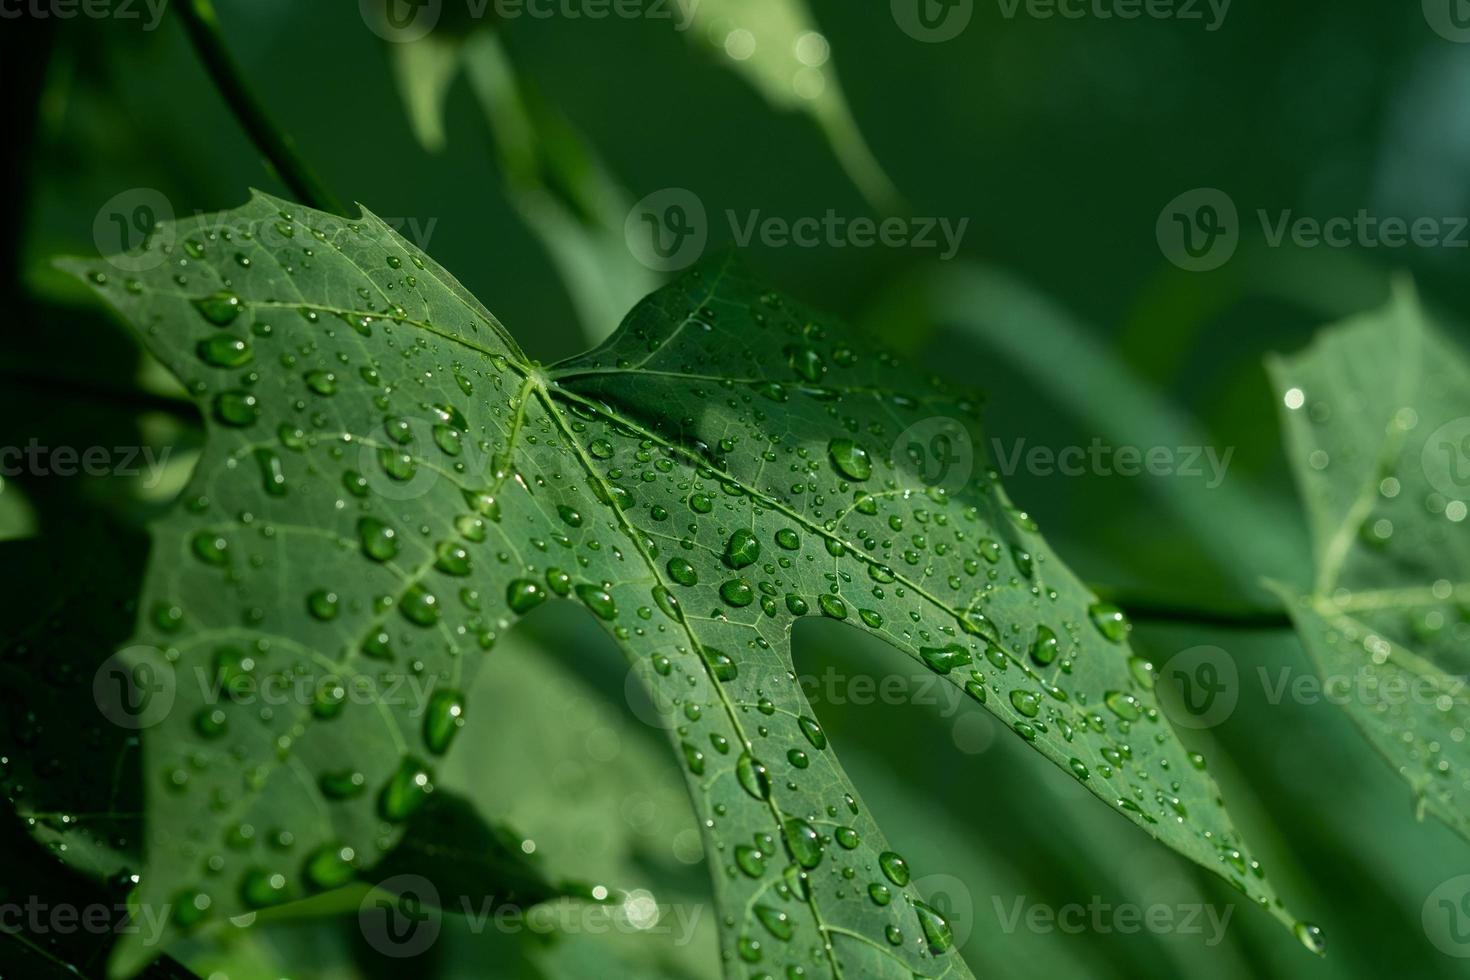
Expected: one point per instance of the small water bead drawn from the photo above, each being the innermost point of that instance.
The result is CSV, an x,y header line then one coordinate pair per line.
x,y
737,592
895,868
220,309
754,778
850,459
599,600
1026,703
323,604
342,784
224,351
778,923
236,408
210,722
1311,937
1110,621
419,606
600,449
721,664
322,382
272,471
937,933
832,606
693,758
569,515
211,548
946,658
559,582
523,595
742,549
379,541
260,888
443,720
788,539
796,605
190,907
1124,705
405,791
804,842
813,732
1045,647
879,893
847,838
451,558
701,503
330,866
750,860
234,671
1142,671
682,572
893,934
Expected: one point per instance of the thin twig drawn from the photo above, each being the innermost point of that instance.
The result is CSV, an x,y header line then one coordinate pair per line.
x,y
1143,608
204,31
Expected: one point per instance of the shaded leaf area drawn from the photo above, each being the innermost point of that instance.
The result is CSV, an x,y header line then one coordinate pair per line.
x,y
600,799
71,716
448,844
69,771
389,484
61,923
1376,428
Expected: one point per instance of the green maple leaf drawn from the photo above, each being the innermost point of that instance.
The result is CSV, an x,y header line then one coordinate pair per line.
x,y
389,483
1375,415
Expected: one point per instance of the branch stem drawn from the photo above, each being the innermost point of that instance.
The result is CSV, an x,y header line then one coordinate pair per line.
x,y
1143,607
202,26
